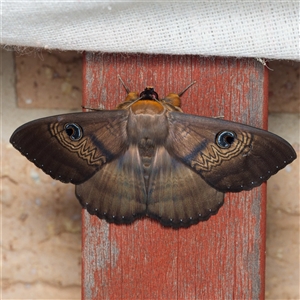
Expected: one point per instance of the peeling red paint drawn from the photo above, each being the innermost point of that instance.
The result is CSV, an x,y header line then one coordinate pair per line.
x,y
222,258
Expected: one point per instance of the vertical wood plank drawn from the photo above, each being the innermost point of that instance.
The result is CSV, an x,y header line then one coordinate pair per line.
x,y
222,258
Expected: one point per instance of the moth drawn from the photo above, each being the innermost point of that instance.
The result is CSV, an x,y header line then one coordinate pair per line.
x,y
148,158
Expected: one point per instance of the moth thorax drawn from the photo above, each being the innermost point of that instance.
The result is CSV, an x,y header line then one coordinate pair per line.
x,y
147,127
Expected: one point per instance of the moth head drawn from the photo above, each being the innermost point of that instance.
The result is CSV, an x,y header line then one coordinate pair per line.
x,y
148,94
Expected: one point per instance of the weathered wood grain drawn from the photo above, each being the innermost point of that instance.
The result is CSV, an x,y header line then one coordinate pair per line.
x,y
222,258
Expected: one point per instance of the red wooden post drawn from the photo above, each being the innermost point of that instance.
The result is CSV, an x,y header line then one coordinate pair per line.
x,y
222,258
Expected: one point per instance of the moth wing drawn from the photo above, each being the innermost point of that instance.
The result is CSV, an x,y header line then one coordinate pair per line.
x,y
178,196
72,147
253,156
117,191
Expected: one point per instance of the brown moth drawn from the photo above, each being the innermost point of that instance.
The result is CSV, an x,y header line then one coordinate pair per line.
x,y
148,158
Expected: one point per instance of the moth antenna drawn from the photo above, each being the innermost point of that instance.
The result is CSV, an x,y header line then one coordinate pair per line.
x,y
134,101
181,93
124,85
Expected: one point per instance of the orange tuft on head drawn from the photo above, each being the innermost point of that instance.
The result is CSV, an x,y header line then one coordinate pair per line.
x,y
173,99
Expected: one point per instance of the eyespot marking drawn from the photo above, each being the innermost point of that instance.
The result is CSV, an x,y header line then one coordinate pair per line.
x,y
225,138
74,131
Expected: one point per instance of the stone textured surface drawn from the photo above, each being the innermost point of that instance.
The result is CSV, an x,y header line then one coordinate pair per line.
x,y
41,218
284,87
41,224
49,80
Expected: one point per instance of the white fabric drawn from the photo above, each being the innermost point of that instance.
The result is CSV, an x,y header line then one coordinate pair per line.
x,y
264,29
